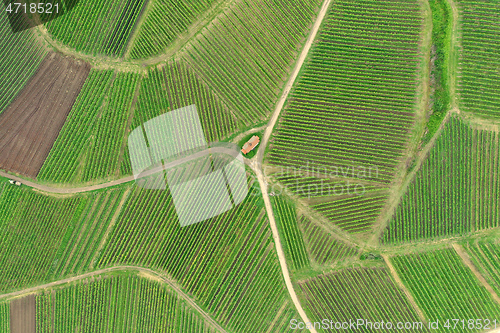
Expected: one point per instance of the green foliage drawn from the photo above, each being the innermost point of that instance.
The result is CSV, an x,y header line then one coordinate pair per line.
x,y
479,61
323,247
245,67
97,27
92,142
441,44
352,294
125,303
353,105
166,21
444,288
4,317
293,243
456,189
63,162
32,227
228,262
485,256
20,55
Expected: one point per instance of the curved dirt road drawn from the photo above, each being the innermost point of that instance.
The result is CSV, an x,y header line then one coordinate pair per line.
x,y
120,268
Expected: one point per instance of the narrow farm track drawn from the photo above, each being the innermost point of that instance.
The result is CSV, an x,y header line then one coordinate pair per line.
x,y
145,271
73,190
257,163
401,285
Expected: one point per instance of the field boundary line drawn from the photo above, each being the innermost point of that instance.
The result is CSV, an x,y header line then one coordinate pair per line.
x,y
256,164
163,279
401,285
280,311
467,261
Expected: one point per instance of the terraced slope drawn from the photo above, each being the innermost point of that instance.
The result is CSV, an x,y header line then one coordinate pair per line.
x,y
350,113
455,191
350,294
444,288
479,80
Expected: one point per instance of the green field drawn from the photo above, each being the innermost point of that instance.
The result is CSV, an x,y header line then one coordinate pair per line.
x,y
351,294
353,106
97,27
479,81
485,257
322,246
249,78
444,288
93,140
236,276
286,218
66,230
20,55
454,191
163,24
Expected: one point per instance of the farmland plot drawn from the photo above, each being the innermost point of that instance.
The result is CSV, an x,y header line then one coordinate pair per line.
x,y
174,86
350,294
44,238
20,56
164,23
93,140
23,314
245,67
97,27
286,219
352,108
479,81
31,124
444,288
127,303
323,247
228,262
485,256
456,190
4,317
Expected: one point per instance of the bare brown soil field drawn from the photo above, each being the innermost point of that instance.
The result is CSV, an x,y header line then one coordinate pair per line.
x,y
31,124
23,315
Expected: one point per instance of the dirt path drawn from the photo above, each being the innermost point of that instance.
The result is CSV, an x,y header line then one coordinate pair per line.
x,y
401,285
73,190
256,164
466,259
144,271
